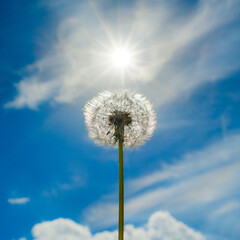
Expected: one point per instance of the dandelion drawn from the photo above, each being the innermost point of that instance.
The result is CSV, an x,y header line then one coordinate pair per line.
x,y
120,118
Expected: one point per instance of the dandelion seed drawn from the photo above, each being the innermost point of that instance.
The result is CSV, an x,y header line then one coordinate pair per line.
x,y
132,112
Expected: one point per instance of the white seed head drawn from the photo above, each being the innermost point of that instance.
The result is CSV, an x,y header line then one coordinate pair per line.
x,y
138,111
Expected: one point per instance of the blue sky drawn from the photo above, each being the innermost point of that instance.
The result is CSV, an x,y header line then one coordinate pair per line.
x,y
183,183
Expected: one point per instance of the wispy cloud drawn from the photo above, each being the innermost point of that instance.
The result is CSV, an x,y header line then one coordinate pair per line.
x,y
201,181
230,206
23,200
160,226
175,52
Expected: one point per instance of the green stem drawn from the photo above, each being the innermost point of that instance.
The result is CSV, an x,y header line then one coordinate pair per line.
x,y
121,193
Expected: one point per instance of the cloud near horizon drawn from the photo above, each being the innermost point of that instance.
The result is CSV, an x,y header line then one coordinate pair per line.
x,y
160,226
176,50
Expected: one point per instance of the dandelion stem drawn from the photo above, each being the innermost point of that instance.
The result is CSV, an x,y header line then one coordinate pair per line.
x,y
121,193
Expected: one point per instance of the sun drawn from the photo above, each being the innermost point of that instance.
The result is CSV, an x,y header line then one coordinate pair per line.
x,y
121,58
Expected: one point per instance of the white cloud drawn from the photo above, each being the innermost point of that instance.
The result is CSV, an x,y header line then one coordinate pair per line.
x,y
161,226
202,181
32,92
176,52
60,229
23,200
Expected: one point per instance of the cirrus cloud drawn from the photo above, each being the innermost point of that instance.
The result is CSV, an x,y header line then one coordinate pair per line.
x,y
175,53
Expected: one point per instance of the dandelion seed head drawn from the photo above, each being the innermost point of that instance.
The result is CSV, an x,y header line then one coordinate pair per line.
x,y
130,111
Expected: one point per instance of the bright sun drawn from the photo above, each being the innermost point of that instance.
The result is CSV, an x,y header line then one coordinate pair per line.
x,y
121,58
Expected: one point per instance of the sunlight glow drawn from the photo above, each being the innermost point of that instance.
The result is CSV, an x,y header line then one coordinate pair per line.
x,y
121,58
